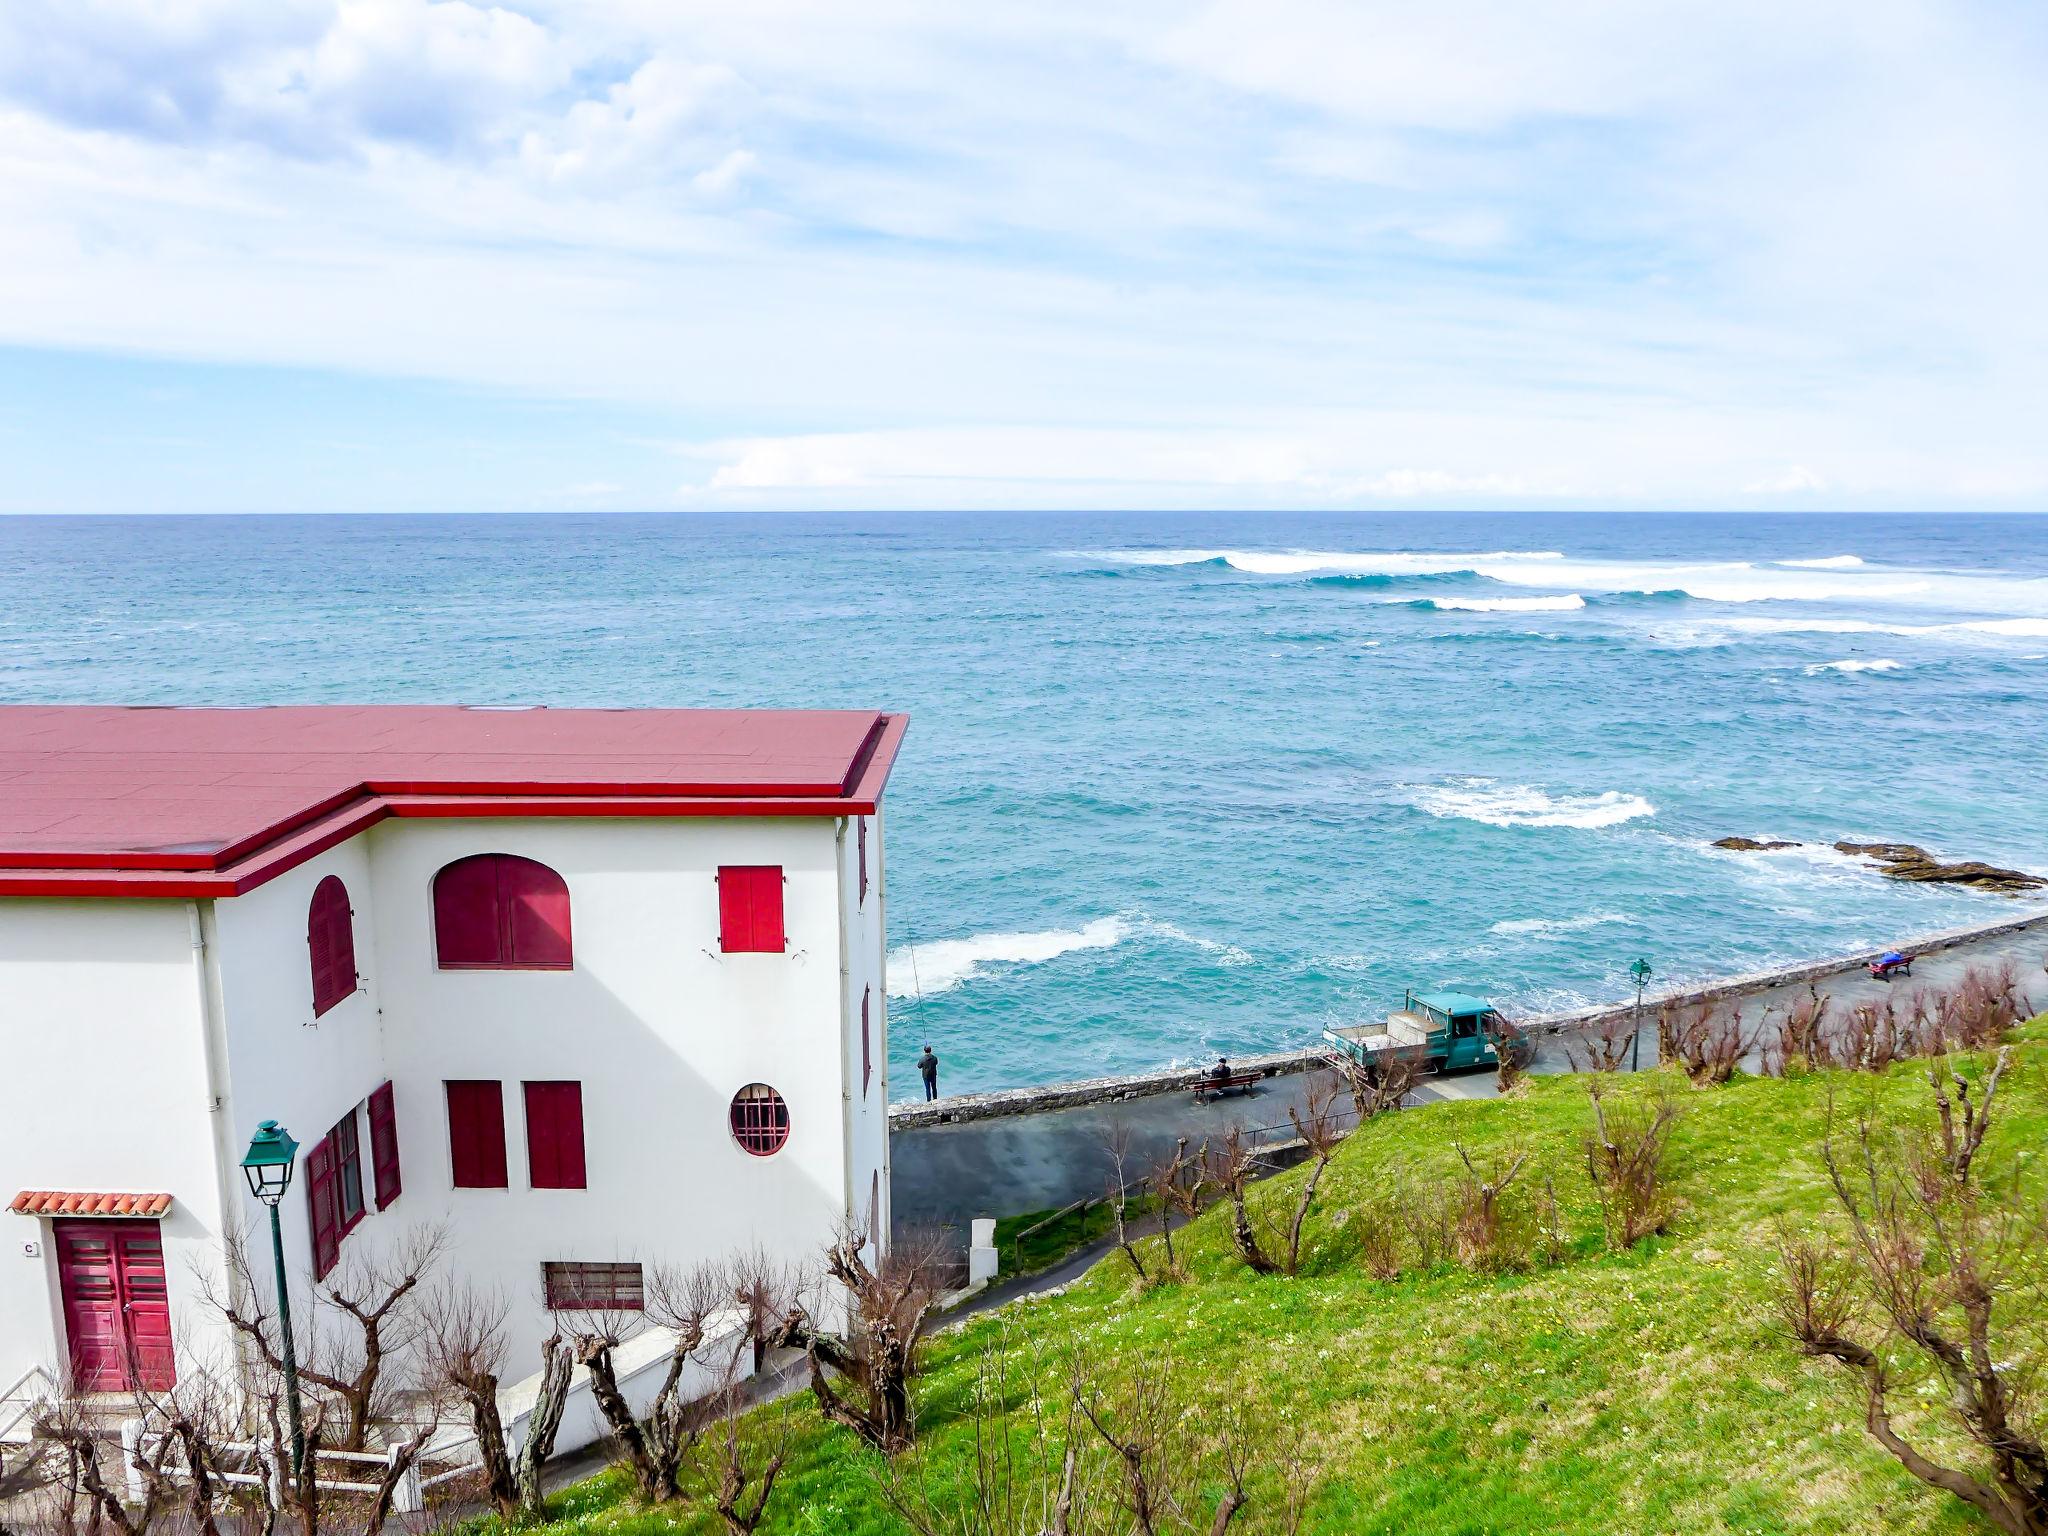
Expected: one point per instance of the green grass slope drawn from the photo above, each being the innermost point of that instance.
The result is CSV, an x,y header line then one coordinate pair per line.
x,y
1614,1393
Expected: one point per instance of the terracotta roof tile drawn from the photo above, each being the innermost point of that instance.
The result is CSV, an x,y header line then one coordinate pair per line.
x,y
62,1202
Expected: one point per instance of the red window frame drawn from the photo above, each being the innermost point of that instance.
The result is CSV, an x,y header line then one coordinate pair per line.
x,y
861,836
760,1120
554,1135
331,944
867,1048
750,915
334,1191
502,912
476,1133
384,1147
573,1286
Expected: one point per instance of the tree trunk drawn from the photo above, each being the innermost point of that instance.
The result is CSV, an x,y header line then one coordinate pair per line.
x,y
542,1424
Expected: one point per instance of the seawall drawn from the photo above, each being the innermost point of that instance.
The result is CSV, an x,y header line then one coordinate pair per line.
x,y
1033,1148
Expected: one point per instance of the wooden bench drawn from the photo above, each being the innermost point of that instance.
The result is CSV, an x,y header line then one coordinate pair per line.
x,y
1216,1087
1885,970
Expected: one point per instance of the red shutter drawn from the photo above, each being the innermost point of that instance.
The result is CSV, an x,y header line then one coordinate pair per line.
x,y
534,902
476,1134
330,937
862,824
322,1208
554,1135
867,1060
467,931
384,1147
750,908
497,911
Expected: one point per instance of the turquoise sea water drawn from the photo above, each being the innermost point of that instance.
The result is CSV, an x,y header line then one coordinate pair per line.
x,y
1178,784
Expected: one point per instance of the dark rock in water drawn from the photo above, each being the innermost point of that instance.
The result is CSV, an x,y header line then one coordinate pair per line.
x,y
1904,861
1750,844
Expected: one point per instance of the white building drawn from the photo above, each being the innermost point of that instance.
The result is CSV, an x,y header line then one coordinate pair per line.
x,y
592,987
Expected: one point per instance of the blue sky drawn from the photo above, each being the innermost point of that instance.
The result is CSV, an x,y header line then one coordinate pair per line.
x,y
424,254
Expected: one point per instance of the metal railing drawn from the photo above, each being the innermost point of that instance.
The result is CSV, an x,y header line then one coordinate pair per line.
x,y
19,1402
140,1446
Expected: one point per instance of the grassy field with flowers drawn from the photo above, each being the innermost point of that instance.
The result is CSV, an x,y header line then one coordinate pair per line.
x,y
1589,1391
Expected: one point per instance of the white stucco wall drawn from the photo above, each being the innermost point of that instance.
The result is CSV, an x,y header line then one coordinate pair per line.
x,y
103,1087
865,965
658,1025
102,1017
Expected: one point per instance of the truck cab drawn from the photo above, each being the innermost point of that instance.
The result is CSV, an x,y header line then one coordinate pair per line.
x,y
1443,1031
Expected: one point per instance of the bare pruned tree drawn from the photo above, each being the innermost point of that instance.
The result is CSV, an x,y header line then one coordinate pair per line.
x,y
1381,1085
1514,1053
875,1355
1316,1122
1482,1235
1708,1042
1603,1047
463,1334
742,1455
380,1297
1231,1169
681,1300
1180,1185
1939,1262
1625,1162
1116,1145
1062,1447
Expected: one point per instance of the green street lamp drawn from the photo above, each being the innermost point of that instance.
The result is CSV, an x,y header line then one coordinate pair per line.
x,y
1641,972
268,1168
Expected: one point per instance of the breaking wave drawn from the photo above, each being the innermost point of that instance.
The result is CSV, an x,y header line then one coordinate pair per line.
x,y
940,966
1825,563
1305,562
1560,924
1565,604
1522,805
1851,664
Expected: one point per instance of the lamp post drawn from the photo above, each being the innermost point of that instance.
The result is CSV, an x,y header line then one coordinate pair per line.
x,y
268,1168
1641,972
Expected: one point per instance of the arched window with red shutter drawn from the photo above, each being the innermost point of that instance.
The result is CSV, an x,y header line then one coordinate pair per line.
x,y
331,943
499,912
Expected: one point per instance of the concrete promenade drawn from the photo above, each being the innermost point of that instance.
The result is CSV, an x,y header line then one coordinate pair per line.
x,y
1031,1149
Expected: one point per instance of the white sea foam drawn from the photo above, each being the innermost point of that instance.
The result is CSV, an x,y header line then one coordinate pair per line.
x,y
1521,805
1852,664
1307,562
2014,604
1507,604
1561,924
943,964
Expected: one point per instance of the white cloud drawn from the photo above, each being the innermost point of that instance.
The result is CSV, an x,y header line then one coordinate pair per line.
x,y
1796,480
1280,249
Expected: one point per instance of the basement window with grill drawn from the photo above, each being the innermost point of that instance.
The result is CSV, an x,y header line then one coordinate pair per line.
x,y
576,1287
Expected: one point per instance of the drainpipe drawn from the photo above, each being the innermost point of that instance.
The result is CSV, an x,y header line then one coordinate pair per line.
x,y
847,1108
213,1039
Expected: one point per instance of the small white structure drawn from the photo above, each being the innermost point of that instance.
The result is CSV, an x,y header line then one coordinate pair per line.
x,y
594,988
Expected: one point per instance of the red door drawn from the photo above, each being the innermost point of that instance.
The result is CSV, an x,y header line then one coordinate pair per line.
x,y
117,1307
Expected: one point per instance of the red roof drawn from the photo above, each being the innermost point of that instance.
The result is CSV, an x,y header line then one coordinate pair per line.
x,y
210,802
59,1202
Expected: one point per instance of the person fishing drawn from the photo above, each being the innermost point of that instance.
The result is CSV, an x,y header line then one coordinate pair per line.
x,y
928,1069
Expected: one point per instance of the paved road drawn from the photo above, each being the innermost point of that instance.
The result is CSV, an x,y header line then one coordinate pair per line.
x,y
948,1173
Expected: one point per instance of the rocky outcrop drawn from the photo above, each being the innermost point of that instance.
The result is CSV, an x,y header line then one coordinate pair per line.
x,y
1908,861
1904,861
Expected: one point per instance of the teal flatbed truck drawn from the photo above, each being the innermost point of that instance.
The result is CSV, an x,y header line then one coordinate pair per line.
x,y
1439,1031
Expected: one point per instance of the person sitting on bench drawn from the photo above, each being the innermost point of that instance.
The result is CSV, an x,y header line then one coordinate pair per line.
x,y
1220,1073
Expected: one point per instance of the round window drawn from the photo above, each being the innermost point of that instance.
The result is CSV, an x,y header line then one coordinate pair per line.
x,y
760,1119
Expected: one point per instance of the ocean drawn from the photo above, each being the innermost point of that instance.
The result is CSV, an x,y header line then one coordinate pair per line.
x,y
1185,784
